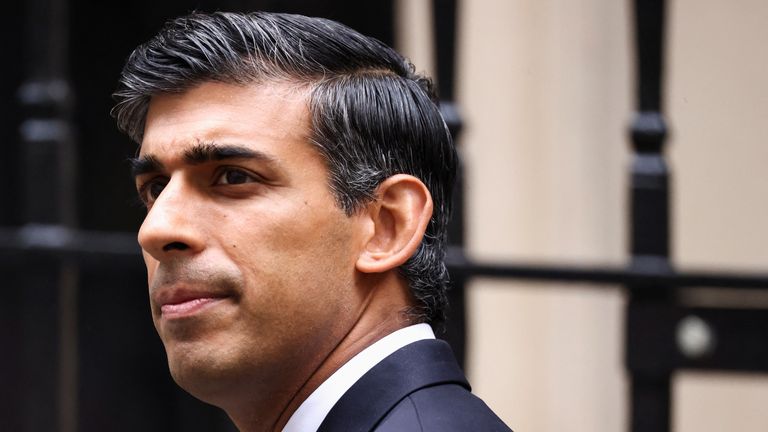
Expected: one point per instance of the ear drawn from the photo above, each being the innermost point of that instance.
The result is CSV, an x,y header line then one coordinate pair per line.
x,y
399,219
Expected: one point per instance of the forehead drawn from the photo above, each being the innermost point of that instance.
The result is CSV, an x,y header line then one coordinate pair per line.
x,y
271,117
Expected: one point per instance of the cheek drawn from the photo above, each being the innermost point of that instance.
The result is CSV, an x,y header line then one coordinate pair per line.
x,y
151,265
285,229
293,243
297,261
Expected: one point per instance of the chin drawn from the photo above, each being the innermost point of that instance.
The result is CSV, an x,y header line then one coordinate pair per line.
x,y
205,375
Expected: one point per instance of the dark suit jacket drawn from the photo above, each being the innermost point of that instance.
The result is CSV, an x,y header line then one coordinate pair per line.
x,y
419,387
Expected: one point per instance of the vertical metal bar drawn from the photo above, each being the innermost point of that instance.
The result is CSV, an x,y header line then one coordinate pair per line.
x,y
444,13
650,403
49,291
444,21
649,203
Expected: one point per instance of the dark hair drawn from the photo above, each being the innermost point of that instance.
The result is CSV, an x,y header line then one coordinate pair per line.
x,y
372,116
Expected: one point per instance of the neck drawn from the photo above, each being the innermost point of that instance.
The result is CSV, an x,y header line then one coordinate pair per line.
x,y
383,312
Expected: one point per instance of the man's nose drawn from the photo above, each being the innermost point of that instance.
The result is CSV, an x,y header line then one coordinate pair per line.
x,y
172,225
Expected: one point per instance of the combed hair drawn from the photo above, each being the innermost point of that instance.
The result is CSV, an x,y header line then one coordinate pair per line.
x,y
372,115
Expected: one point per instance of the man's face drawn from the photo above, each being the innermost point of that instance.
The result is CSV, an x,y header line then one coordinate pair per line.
x,y
250,262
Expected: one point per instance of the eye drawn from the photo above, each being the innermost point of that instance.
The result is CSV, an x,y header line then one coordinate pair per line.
x,y
150,191
234,176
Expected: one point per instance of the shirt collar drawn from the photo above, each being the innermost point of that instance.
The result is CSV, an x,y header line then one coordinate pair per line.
x,y
313,410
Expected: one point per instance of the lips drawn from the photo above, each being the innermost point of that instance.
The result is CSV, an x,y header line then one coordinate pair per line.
x,y
179,303
188,307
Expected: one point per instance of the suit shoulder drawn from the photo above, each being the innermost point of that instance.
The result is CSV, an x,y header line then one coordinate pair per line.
x,y
443,408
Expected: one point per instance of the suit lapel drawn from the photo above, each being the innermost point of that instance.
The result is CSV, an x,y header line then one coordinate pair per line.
x,y
417,365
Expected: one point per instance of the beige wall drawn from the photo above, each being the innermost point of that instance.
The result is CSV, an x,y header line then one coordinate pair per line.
x,y
546,92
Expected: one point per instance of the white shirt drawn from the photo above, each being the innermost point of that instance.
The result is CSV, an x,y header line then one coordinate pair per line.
x,y
313,410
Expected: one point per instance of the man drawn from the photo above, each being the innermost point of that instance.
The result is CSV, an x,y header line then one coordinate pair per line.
x,y
297,177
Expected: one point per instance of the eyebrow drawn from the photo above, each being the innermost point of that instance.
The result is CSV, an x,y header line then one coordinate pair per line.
x,y
198,154
144,165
